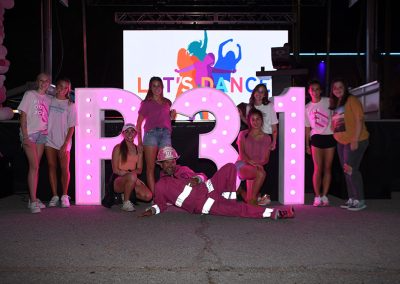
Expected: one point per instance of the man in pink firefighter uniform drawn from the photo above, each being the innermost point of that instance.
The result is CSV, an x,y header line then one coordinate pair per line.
x,y
193,192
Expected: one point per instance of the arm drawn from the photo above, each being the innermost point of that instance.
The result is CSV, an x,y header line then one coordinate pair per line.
x,y
221,46
160,203
358,113
274,135
217,70
139,166
242,152
67,140
205,42
240,53
308,148
188,68
115,162
266,156
242,116
139,129
24,125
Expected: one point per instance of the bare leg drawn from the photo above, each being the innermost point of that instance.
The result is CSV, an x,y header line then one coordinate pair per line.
x,y
51,155
150,154
34,153
317,156
142,191
254,179
65,174
125,184
328,155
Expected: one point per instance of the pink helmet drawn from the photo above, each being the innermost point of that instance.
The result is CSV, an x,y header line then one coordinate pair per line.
x,y
167,153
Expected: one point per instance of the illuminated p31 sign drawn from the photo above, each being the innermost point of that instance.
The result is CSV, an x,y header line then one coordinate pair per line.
x,y
92,147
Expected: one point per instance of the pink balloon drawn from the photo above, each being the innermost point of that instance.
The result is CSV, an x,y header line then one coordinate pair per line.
x,y
6,113
3,95
7,4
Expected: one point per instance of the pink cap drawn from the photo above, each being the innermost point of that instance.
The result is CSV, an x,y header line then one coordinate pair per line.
x,y
167,153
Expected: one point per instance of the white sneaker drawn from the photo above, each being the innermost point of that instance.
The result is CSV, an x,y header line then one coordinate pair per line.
x,y
128,206
65,201
325,201
35,207
41,205
264,200
54,201
357,205
317,201
348,204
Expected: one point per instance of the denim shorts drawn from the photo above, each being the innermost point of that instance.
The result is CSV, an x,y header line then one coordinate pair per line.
x,y
39,137
159,137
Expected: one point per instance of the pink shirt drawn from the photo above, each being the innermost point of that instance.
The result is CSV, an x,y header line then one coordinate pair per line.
x,y
169,188
255,149
156,115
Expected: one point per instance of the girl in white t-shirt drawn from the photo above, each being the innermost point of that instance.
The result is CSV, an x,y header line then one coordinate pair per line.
x,y
259,100
62,122
319,142
34,110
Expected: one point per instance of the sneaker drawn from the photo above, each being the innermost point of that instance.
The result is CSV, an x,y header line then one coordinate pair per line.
x,y
35,207
325,201
65,201
54,201
317,201
41,205
264,200
357,206
347,204
283,213
128,206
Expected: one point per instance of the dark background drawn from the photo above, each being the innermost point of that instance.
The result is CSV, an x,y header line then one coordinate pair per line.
x,y
23,39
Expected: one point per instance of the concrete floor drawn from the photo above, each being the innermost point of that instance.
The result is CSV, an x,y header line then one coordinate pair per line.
x,y
92,244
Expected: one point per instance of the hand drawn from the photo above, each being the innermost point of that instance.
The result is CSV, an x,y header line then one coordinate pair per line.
x,y
140,148
26,141
273,146
353,145
63,150
259,167
146,213
347,169
194,181
308,150
172,114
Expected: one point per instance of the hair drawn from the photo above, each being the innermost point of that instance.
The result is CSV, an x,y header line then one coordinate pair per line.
x,y
253,111
314,82
43,74
123,151
333,100
66,80
265,100
149,95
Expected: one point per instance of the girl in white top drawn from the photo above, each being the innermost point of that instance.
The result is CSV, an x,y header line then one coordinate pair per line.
x,y
62,122
34,109
319,142
259,100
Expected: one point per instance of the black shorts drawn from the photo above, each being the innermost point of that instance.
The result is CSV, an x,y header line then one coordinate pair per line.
x,y
323,141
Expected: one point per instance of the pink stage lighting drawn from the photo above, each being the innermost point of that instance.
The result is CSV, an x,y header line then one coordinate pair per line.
x,y
291,145
92,148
